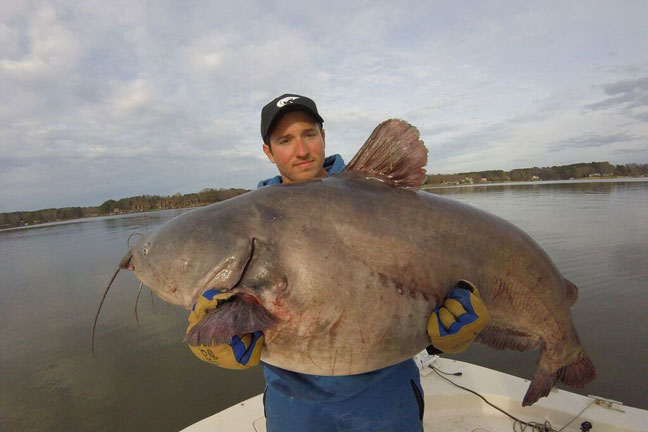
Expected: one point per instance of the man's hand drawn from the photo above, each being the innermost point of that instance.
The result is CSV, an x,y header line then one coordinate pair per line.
x,y
241,353
454,325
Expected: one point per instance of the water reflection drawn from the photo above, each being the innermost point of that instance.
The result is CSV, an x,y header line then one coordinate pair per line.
x,y
51,278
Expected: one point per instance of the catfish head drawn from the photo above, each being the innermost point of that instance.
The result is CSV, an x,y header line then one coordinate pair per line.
x,y
208,248
186,256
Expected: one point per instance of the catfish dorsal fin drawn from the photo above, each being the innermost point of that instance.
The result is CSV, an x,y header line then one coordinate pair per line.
x,y
393,154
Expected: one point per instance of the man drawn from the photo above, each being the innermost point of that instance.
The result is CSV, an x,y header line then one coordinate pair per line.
x,y
389,399
294,140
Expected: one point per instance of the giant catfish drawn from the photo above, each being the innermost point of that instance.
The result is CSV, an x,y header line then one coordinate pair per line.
x,y
342,273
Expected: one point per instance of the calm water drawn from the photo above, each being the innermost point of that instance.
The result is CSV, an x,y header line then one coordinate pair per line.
x,y
144,379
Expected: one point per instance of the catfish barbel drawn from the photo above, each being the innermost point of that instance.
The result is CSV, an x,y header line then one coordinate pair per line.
x,y
342,273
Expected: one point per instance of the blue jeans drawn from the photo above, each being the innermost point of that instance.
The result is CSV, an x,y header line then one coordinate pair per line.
x,y
390,399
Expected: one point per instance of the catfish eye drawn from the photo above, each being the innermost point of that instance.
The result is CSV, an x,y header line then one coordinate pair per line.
x,y
146,248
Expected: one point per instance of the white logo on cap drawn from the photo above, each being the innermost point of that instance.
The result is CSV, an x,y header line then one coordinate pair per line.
x,y
286,100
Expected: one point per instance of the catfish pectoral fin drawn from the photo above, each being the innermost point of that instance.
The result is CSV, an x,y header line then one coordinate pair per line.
x,y
238,315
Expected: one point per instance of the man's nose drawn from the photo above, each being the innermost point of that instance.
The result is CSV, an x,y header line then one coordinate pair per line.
x,y
301,148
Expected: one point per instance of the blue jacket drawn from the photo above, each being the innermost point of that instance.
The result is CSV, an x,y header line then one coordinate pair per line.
x,y
332,388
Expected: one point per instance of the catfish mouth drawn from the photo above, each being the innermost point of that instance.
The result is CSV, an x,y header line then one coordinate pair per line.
x,y
127,262
169,296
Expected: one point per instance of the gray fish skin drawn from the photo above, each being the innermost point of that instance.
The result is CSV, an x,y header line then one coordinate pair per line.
x,y
341,274
352,268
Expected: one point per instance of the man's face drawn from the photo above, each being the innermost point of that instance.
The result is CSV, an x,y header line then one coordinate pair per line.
x,y
297,148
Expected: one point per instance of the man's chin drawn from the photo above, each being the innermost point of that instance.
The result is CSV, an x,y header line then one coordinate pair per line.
x,y
306,175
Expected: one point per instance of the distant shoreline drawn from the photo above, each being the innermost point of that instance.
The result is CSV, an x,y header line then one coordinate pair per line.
x,y
136,204
94,217
610,179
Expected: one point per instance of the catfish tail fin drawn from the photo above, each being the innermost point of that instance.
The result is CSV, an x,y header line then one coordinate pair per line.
x,y
579,372
540,386
576,374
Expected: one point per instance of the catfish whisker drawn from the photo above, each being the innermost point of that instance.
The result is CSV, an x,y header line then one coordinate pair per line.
x,y
139,291
94,324
153,302
129,237
122,264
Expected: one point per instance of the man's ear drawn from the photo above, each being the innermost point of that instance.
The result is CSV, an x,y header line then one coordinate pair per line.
x,y
268,152
323,136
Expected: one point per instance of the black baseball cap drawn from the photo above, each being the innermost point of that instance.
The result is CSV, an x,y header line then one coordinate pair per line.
x,y
272,112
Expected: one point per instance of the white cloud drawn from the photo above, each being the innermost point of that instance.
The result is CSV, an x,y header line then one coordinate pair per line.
x,y
52,48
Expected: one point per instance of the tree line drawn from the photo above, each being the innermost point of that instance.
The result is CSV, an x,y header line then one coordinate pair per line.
x,y
560,172
134,204
145,203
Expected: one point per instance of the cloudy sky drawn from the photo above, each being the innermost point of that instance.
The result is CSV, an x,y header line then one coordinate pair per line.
x,y
109,99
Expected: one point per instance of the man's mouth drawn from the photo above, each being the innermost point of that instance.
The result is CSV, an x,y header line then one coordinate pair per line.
x,y
304,164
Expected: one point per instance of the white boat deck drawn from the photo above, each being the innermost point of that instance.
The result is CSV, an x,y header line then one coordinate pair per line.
x,y
448,407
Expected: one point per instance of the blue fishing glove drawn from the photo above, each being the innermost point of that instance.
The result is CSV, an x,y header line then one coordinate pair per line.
x,y
456,323
241,353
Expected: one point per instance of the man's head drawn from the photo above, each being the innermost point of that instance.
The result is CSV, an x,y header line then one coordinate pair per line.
x,y
293,137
